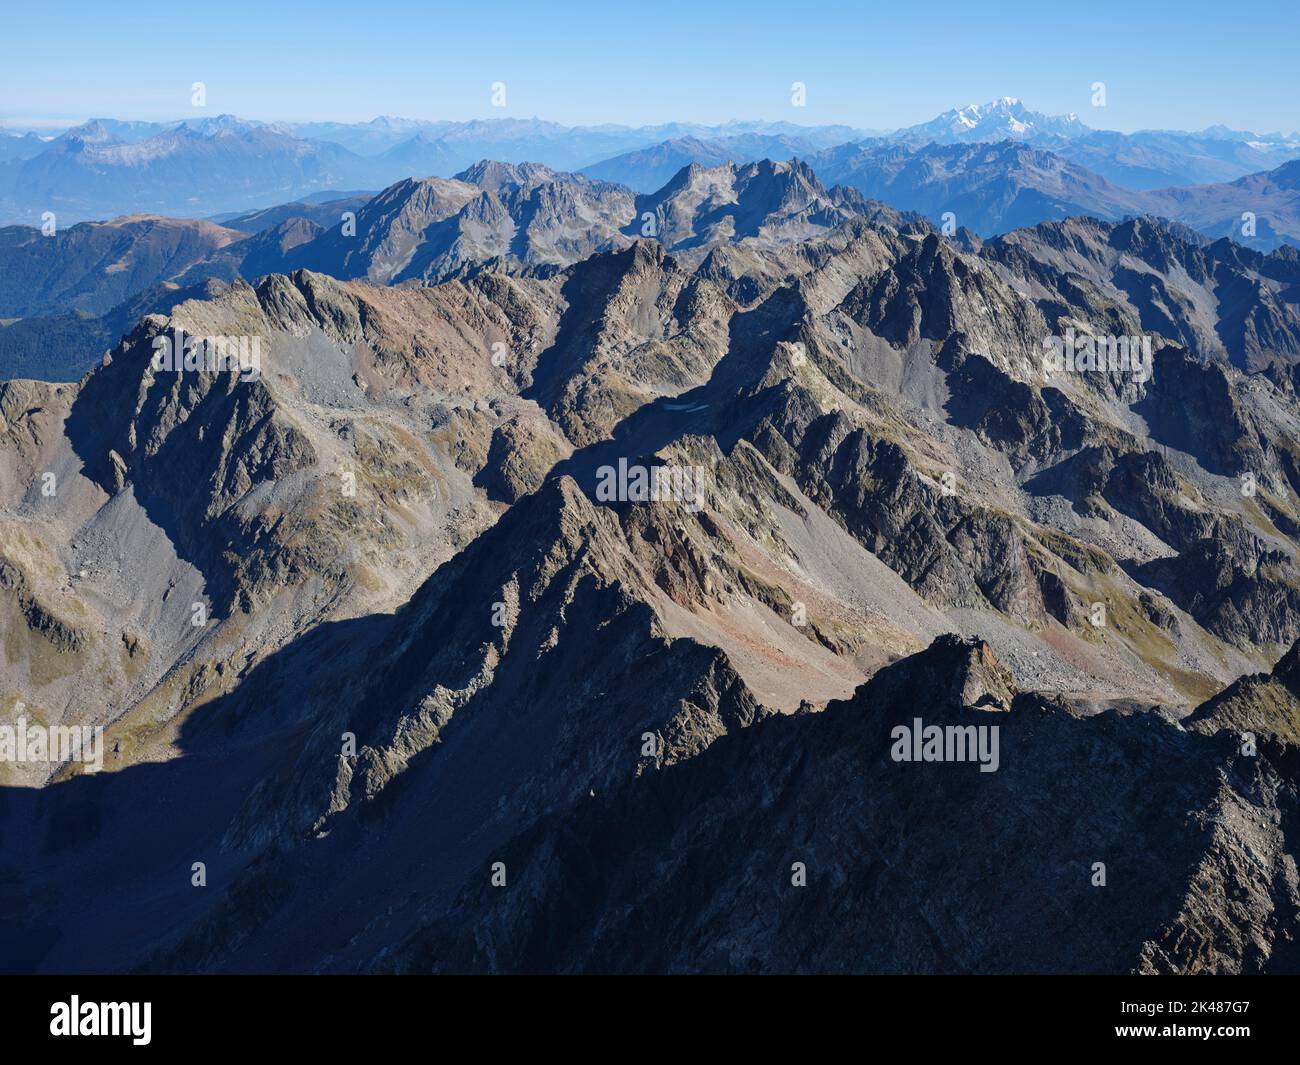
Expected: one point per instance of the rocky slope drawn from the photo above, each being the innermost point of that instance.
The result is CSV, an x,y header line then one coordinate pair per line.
x,y
1221,301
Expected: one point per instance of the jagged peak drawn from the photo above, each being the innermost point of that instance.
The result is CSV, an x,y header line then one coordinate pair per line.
x,y
493,175
954,672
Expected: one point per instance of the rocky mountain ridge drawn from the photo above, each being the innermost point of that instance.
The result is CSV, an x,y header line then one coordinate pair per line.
x,y
451,706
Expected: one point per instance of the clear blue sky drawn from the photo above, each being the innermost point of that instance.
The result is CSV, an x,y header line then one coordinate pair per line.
x,y
1165,64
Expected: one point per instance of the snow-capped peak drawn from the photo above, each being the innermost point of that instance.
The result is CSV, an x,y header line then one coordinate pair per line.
x,y
1005,116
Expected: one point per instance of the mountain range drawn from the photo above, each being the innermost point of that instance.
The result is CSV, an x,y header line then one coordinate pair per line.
x,y
207,167
218,165
991,188
88,280
402,667
904,514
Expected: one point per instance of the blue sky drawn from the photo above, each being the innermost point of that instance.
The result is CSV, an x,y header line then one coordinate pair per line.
x,y
1172,65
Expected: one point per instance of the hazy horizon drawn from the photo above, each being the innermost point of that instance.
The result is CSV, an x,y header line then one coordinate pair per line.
x,y
57,123
680,63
